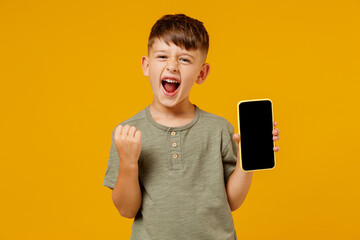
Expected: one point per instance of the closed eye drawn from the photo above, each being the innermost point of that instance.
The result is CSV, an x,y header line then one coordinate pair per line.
x,y
184,60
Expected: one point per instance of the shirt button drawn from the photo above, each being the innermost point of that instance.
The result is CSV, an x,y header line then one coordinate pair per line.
x,y
174,144
173,133
175,156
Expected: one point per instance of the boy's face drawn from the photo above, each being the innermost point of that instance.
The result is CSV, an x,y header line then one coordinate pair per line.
x,y
172,72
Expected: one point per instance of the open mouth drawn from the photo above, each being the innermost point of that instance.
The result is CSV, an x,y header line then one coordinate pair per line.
x,y
170,86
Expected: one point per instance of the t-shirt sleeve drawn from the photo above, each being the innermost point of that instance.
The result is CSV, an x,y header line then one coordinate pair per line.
x,y
229,153
112,170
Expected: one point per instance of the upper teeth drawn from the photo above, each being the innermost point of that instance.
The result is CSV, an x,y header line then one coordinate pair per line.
x,y
170,81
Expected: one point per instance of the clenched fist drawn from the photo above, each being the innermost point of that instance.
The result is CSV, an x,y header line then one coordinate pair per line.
x,y
128,143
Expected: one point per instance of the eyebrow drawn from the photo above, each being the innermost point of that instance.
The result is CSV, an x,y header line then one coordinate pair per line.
x,y
183,53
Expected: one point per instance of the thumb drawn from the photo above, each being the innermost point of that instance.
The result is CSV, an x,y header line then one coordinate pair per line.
x,y
236,138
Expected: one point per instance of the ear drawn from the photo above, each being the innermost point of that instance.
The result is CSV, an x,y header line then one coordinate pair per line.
x,y
204,72
145,65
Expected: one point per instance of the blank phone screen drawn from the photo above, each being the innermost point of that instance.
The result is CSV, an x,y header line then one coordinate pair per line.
x,y
256,139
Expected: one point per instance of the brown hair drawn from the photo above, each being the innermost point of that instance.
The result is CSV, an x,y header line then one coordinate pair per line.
x,y
183,31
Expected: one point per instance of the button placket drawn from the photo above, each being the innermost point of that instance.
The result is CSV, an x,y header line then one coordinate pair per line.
x,y
176,162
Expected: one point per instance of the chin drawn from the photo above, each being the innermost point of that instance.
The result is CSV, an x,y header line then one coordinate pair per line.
x,y
169,103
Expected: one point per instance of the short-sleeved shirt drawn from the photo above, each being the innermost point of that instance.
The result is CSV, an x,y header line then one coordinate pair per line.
x,y
182,174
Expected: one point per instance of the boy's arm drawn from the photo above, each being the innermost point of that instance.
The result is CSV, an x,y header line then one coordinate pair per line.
x,y
126,194
238,184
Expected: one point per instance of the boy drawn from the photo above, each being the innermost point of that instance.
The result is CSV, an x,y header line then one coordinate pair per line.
x,y
173,166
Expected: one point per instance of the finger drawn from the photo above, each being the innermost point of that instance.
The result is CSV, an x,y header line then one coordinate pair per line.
x,y
276,131
276,138
132,131
275,123
118,130
125,130
276,148
138,135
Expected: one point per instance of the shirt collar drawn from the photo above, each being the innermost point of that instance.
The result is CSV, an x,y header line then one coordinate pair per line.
x,y
167,128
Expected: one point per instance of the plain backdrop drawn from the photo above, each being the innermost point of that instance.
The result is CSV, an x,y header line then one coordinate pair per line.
x,y
70,72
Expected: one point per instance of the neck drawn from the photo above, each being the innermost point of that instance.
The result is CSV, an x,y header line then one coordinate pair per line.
x,y
183,109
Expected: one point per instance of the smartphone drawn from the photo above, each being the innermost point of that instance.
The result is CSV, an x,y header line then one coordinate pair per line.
x,y
256,123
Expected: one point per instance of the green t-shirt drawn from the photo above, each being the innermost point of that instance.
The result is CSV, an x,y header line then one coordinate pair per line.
x,y
182,174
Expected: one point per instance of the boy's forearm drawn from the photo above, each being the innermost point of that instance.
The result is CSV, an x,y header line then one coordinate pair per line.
x,y
238,186
126,194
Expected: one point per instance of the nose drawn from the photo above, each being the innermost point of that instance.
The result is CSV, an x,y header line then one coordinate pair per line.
x,y
172,65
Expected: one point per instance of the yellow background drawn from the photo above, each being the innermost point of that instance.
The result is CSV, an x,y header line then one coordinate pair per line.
x,y
70,72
